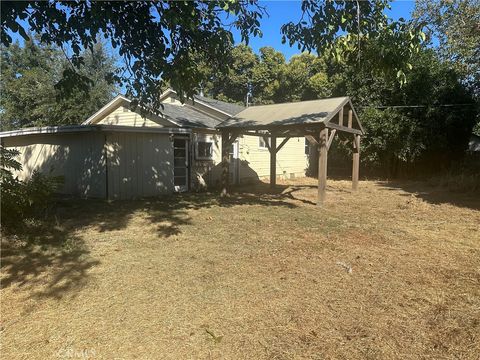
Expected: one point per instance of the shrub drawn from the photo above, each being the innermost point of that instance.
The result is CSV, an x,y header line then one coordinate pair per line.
x,y
22,200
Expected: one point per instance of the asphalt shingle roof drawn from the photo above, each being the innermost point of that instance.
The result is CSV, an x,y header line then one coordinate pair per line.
x,y
229,108
188,117
302,112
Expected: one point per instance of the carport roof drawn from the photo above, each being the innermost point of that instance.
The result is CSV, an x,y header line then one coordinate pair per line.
x,y
295,113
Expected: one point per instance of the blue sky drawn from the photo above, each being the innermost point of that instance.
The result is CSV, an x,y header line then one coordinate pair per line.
x,y
281,12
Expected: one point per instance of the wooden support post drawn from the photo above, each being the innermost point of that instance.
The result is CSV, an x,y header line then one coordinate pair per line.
x,y
322,166
340,117
225,162
330,139
282,143
350,118
273,161
356,161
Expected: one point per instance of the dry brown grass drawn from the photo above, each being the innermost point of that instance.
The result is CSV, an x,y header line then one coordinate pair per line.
x,y
254,276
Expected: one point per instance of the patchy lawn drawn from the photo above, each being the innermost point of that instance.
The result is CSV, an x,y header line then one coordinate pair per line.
x,y
392,271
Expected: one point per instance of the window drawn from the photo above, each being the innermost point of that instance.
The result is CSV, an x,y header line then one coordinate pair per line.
x,y
204,150
262,144
307,147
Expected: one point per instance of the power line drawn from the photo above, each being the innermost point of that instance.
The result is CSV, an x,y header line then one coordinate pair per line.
x,y
414,106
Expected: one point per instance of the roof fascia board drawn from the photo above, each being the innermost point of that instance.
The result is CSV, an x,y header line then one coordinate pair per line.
x,y
212,107
356,117
171,91
335,112
48,130
105,109
113,103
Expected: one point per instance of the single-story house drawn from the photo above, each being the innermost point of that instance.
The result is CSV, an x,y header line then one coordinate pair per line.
x,y
120,153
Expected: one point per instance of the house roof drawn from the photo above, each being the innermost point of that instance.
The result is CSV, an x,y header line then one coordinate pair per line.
x,y
226,108
185,116
178,115
68,129
296,113
229,108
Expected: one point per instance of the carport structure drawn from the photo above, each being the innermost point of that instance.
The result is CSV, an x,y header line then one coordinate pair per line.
x,y
316,120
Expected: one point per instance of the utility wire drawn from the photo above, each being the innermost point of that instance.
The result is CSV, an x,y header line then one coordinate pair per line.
x,y
413,106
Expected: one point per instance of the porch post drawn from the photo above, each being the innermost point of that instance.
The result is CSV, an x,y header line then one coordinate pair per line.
x,y
356,161
273,161
225,162
322,166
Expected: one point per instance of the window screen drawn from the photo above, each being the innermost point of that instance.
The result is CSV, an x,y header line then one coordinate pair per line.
x,y
204,150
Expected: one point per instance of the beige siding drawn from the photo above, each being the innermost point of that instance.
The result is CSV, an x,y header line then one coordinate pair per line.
x,y
76,157
255,161
139,165
126,117
206,172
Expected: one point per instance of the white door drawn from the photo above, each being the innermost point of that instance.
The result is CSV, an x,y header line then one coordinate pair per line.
x,y
234,163
180,164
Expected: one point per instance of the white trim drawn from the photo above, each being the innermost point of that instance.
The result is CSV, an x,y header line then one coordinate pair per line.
x,y
103,110
87,128
171,91
166,92
262,147
212,107
203,158
115,103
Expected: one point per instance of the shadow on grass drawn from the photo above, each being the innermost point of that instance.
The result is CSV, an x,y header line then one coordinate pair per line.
x,y
435,195
49,259
45,260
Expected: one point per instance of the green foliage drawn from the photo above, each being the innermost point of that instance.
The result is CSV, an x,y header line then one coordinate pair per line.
x,y
346,30
425,138
155,38
30,95
456,26
162,43
268,77
22,200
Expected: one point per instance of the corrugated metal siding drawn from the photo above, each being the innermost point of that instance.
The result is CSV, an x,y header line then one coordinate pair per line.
x,y
76,157
139,165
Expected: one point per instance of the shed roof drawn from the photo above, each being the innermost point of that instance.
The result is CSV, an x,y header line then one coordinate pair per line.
x,y
296,113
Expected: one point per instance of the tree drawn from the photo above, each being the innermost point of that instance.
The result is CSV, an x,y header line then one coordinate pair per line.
x,y
155,38
29,76
257,75
236,82
456,26
424,133
160,41
267,76
344,29
304,78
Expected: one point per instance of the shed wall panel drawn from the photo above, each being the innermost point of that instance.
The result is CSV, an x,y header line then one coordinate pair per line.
x,y
79,158
139,165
